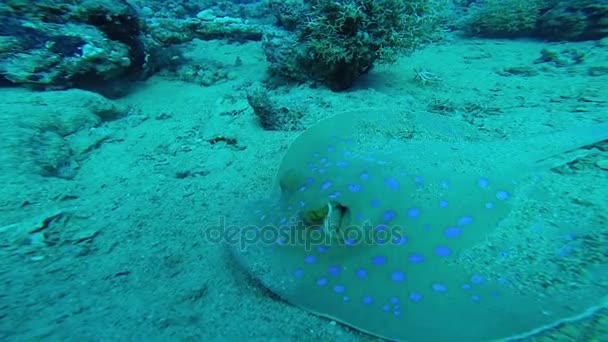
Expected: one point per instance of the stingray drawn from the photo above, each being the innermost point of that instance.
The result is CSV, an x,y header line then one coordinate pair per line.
x,y
378,223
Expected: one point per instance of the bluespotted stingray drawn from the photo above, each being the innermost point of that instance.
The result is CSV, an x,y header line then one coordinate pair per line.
x,y
375,224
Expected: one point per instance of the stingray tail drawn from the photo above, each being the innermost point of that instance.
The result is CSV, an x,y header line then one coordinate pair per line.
x,y
563,147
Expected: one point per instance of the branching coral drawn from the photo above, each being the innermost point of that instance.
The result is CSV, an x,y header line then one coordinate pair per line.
x,y
336,42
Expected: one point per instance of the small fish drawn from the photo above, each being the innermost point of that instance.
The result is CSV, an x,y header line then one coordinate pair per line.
x,y
420,239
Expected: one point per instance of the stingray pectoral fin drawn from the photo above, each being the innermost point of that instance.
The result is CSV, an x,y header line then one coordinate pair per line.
x,y
290,180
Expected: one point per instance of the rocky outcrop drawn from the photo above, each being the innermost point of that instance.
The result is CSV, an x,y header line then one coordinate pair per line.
x,y
57,45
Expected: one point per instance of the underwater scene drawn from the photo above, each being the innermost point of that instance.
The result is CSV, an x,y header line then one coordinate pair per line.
x,y
304,170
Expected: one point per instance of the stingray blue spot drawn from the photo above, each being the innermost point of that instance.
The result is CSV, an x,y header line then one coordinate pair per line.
x,y
321,170
464,220
397,313
298,273
354,187
418,179
326,185
416,258
283,220
310,259
367,300
426,227
453,232
335,195
361,273
477,279
483,182
444,184
502,195
323,160
330,148
309,181
443,204
400,240
322,281
359,216
364,175
466,287
391,183
443,251
415,296
381,234
388,215
302,188
475,298
394,300
350,242
342,163
334,270
398,276
375,203
379,260
386,308
322,249
438,287
380,228
346,299
565,251
413,213
339,288
489,205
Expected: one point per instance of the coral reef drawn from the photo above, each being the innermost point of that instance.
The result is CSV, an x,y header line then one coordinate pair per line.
x,y
56,45
555,20
574,20
502,18
100,45
335,42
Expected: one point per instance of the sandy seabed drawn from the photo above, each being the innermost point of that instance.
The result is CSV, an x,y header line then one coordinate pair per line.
x,y
110,245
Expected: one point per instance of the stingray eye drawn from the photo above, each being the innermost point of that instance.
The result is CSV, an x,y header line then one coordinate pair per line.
x,y
315,216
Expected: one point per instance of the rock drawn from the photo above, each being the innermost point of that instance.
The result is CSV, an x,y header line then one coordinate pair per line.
x,y
228,20
57,45
38,129
602,164
206,15
573,20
